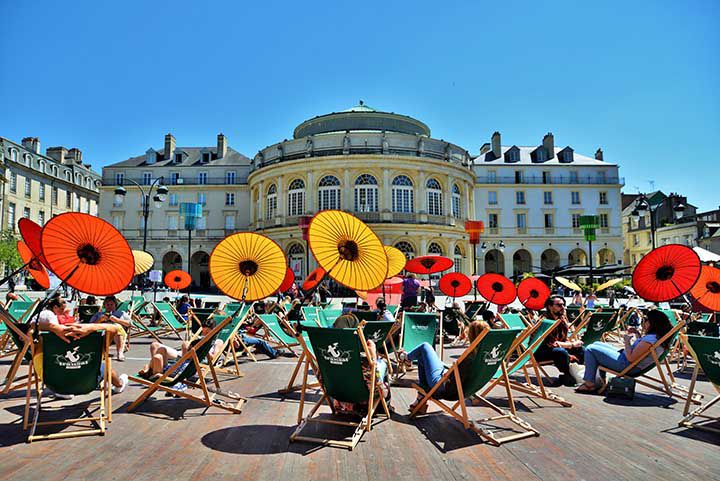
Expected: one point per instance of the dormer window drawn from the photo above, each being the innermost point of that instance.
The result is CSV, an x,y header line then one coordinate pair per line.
x,y
512,155
540,155
206,156
566,156
178,158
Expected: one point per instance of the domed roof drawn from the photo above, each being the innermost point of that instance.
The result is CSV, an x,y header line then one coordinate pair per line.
x,y
361,118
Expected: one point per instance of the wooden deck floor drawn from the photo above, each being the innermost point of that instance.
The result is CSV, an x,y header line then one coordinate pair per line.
x,y
173,439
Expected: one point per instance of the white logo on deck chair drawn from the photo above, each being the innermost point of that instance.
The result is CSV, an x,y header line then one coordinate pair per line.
x,y
73,360
335,356
599,325
376,337
714,358
420,327
493,356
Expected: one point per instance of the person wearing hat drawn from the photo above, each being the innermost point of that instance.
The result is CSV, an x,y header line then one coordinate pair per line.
x,y
109,313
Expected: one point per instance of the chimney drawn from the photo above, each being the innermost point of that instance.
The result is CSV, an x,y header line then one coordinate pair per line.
x,y
496,147
75,155
599,155
169,147
221,146
549,145
32,144
57,153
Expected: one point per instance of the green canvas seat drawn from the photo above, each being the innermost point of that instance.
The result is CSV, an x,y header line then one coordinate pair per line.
x,y
418,327
367,316
377,332
700,328
231,307
472,371
86,312
198,315
174,322
597,325
275,332
515,321
21,336
25,297
310,313
338,355
326,317
21,310
70,368
706,351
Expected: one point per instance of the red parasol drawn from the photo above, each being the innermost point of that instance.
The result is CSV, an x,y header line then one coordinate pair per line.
x,y
496,288
177,279
313,279
31,232
88,253
455,284
533,293
706,290
392,285
428,264
34,266
666,273
287,281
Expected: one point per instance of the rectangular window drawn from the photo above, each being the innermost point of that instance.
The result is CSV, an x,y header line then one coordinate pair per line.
x,y
603,198
11,216
206,156
574,177
635,240
229,198
519,176
492,221
520,197
271,207
547,197
202,198
178,158
41,217
26,212
13,182
147,178
230,178
366,198
174,177
117,222
202,178
229,222
549,223
492,176
55,196
576,221
434,202
492,197
42,192
575,198
78,203
68,199
521,223
296,203
402,199
119,178
28,187
173,199
546,177
604,221
201,223
172,222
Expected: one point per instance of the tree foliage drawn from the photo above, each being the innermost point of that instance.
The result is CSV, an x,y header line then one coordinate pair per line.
x,y
9,256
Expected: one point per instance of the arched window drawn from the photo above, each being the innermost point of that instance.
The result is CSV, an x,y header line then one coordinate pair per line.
x,y
329,193
366,194
296,198
402,194
456,205
27,160
54,171
434,197
406,248
271,210
435,249
13,155
457,259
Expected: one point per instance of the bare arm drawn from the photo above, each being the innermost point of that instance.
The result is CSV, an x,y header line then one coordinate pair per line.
x,y
77,331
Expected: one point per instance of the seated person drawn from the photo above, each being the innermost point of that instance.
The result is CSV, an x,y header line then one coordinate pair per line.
x,y
431,368
454,321
346,320
109,313
183,306
655,325
557,347
48,321
492,319
295,311
382,310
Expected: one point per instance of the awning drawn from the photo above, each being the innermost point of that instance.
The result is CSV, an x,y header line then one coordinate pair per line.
x,y
706,255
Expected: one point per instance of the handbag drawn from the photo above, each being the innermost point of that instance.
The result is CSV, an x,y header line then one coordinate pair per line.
x,y
621,387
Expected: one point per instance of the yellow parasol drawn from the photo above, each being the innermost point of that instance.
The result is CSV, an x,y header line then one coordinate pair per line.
x,y
607,284
348,250
143,261
568,283
247,266
396,261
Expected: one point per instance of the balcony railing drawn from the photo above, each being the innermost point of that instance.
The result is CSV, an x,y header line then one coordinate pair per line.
x,y
553,180
180,181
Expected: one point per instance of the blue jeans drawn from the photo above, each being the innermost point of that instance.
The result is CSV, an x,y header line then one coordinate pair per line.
x,y
260,344
430,367
601,354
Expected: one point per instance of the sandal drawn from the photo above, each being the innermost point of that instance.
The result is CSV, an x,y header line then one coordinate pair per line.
x,y
585,389
422,410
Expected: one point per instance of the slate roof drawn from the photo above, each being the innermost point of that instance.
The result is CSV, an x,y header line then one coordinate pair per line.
x,y
488,158
191,156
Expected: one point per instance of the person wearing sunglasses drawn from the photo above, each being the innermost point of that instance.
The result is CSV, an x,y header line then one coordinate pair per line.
x,y
557,347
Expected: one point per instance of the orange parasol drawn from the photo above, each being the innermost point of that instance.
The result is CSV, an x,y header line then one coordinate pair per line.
x,y
30,232
706,290
666,273
533,293
177,279
287,281
143,261
396,261
348,250
33,265
248,266
313,279
496,288
428,264
87,253
455,284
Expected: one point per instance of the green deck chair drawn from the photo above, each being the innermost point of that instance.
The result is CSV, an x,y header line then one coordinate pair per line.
x,y
21,310
416,328
706,351
195,356
227,334
597,325
473,308
85,312
21,336
307,358
25,297
326,317
310,313
275,334
700,328
73,368
516,321
173,322
231,307
472,371
341,374
198,315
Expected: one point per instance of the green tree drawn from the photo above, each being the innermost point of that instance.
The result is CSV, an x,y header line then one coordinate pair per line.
x,y
9,256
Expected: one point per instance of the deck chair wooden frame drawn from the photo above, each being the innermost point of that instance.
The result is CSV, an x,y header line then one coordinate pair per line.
x,y
305,363
209,394
375,399
23,341
104,415
228,347
688,419
665,382
280,339
526,429
525,357
5,338
170,329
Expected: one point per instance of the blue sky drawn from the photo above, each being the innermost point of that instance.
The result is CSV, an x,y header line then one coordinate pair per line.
x,y
640,79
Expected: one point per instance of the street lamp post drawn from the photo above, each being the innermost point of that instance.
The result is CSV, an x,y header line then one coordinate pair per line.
x,y
474,228
500,247
161,193
304,224
642,206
